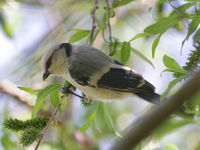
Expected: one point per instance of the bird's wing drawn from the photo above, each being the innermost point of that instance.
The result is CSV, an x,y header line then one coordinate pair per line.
x,y
91,67
126,80
85,62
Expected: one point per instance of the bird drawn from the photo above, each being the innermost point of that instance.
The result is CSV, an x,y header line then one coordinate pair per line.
x,y
97,75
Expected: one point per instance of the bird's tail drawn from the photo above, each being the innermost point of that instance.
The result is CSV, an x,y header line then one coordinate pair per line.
x,y
150,97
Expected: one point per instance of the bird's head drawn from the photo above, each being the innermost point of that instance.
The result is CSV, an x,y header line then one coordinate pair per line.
x,y
54,61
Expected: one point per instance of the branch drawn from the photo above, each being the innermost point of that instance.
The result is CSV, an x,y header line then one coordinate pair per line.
x,y
108,23
11,89
145,125
93,23
47,126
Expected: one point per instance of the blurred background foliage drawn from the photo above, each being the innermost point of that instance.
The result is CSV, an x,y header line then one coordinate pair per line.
x,y
29,27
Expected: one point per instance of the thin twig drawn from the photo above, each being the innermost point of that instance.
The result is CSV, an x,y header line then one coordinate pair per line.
x,y
145,125
47,126
68,91
93,23
108,23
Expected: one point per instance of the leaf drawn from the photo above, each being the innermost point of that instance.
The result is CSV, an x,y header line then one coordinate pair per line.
x,y
155,44
87,125
170,86
171,147
99,120
125,52
42,96
78,35
138,53
108,119
6,27
118,3
54,98
139,35
163,24
192,27
172,65
29,90
171,125
104,20
181,10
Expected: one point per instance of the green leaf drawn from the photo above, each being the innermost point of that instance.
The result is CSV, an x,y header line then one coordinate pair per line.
x,y
171,125
84,127
155,44
6,27
118,3
42,96
29,90
193,25
108,119
115,45
192,28
170,86
87,125
99,120
139,35
181,10
171,147
125,52
104,20
172,65
163,24
6,142
138,53
54,98
78,35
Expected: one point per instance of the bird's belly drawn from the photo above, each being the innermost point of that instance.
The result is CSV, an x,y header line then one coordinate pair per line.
x,y
99,93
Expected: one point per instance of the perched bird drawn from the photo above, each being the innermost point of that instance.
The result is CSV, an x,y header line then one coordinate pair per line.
x,y
96,74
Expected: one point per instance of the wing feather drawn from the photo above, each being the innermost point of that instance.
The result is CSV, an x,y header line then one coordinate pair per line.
x,y
125,80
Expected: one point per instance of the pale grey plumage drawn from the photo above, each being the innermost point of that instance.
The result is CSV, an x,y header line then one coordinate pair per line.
x,y
96,74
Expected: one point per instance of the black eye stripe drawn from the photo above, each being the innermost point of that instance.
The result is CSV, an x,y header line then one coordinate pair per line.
x,y
68,50
48,63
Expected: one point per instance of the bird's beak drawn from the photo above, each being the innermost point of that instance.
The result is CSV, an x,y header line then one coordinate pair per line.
x,y
45,76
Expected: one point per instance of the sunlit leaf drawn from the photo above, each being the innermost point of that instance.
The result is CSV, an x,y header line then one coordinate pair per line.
x,y
29,90
138,53
125,52
171,147
171,125
170,86
118,3
155,44
192,27
42,96
108,119
99,119
87,125
54,98
172,64
139,35
78,35
163,24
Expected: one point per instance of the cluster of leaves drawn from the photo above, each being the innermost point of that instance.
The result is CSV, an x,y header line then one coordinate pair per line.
x,y
51,90
31,129
99,118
